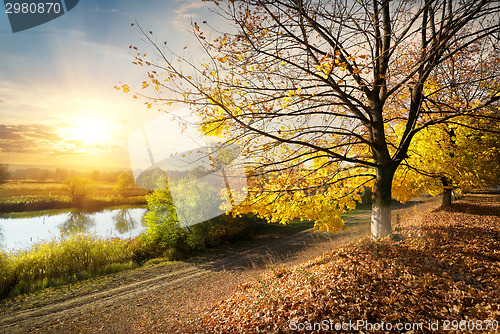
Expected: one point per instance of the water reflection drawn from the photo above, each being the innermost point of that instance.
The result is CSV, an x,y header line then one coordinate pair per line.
x,y
124,221
77,221
21,233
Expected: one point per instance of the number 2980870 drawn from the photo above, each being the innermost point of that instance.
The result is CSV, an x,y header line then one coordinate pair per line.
x,y
32,8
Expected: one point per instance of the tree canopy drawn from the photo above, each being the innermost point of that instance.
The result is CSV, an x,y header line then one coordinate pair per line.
x,y
124,184
79,188
326,97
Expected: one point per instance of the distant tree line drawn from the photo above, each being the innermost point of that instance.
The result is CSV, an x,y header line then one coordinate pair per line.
x,y
57,174
4,172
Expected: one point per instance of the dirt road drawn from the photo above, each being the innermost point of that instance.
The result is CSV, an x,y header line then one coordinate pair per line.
x,y
172,297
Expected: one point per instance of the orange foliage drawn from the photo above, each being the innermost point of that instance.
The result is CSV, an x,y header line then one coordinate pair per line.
x,y
446,268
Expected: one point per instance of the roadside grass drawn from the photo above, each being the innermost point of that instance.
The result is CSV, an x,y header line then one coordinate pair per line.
x,y
443,268
62,261
58,293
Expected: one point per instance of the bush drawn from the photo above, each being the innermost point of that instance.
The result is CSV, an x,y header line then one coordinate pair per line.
x,y
163,232
164,237
219,230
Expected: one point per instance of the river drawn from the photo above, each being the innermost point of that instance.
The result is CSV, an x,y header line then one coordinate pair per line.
x,y
22,233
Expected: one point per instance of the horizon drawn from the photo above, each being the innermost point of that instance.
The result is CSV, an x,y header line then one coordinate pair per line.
x,y
77,168
58,104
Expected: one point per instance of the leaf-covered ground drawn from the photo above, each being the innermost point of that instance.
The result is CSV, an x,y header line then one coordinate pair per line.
x,y
442,272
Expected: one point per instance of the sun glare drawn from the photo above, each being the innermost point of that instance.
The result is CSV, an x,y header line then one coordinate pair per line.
x,y
91,131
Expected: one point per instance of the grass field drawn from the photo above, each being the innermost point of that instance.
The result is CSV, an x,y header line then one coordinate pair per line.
x,y
19,196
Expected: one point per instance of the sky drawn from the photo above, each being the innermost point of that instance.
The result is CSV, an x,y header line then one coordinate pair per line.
x,y
58,105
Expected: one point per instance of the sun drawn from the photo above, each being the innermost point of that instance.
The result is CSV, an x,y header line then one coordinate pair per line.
x,y
91,131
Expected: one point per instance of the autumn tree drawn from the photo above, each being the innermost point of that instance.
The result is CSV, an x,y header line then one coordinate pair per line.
x,y
79,188
125,184
457,156
327,96
461,153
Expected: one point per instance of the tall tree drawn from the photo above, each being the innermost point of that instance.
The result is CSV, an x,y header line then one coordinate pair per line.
x,y
456,157
315,91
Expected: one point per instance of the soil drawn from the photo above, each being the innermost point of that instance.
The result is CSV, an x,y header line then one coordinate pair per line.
x,y
172,297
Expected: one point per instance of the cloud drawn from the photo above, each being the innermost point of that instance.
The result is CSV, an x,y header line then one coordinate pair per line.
x,y
36,138
185,14
8,133
99,9
41,139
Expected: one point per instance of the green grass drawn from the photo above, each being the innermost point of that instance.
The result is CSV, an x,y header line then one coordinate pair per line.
x,y
296,226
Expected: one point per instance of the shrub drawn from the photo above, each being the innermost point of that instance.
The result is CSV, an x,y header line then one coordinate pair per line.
x,y
163,232
219,230
164,236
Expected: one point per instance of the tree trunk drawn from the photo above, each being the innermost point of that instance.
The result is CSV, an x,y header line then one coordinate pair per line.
x,y
446,197
381,206
447,189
